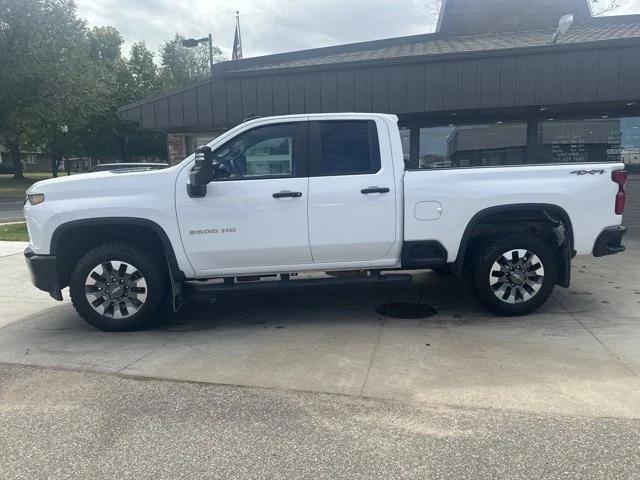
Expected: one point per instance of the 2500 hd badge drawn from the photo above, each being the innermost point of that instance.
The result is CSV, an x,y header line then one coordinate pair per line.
x,y
209,231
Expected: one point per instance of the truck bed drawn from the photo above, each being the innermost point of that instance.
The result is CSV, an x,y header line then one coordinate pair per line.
x,y
439,204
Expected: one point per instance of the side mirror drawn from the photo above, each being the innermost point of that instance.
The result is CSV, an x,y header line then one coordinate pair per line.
x,y
202,172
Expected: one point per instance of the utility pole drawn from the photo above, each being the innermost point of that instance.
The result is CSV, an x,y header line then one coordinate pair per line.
x,y
211,54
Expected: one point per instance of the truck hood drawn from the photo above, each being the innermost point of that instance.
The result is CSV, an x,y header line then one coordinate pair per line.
x,y
64,181
99,181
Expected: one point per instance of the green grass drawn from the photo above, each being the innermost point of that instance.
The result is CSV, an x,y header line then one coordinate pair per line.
x,y
16,232
10,188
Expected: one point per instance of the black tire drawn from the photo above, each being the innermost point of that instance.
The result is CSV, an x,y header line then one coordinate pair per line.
x,y
514,282
152,270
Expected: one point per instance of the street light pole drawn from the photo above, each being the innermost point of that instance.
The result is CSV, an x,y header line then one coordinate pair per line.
x,y
194,42
64,130
210,54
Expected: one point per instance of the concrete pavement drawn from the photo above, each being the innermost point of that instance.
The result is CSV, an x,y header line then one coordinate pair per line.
x,y
12,248
579,355
632,212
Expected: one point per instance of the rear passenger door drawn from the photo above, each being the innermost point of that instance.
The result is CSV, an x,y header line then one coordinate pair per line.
x,y
352,194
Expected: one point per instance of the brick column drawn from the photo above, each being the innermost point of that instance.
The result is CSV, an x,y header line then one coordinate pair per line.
x,y
176,148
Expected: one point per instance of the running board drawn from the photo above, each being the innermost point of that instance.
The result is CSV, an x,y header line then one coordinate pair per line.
x,y
194,290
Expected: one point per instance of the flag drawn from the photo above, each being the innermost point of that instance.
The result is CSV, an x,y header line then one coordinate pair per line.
x,y
237,40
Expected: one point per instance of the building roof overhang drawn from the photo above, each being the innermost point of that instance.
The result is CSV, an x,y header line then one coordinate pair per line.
x,y
596,34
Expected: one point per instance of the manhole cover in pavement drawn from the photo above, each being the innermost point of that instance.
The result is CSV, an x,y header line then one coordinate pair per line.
x,y
406,310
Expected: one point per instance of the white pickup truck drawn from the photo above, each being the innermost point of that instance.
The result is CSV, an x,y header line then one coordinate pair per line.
x,y
274,197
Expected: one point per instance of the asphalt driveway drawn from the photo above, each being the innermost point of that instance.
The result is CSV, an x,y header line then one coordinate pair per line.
x,y
11,209
62,424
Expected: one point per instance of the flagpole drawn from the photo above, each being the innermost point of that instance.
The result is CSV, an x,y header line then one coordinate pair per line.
x,y
237,40
238,25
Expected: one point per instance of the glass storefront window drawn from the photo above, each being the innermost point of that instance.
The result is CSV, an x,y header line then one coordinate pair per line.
x,y
630,128
592,140
480,145
579,141
589,140
405,138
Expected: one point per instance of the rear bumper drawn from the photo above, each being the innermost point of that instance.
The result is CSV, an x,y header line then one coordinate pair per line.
x,y
44,273
609,241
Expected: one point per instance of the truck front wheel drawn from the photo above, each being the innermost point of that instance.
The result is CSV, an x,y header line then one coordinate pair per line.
x,y
118,287
514,276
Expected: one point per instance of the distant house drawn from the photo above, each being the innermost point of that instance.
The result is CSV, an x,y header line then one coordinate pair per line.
x,y
31,160
492,86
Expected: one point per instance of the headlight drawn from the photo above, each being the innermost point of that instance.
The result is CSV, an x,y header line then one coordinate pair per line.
x,y
35,198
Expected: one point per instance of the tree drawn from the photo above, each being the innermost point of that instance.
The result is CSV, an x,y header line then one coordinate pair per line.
x,y
433,8
183,66
104,44
143,70
42,51
104,134
607,6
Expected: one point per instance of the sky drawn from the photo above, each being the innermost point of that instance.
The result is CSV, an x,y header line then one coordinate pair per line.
x,y
268,26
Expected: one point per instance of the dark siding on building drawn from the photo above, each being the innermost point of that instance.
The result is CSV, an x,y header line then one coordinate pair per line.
x,y
536,78
204,104
162,113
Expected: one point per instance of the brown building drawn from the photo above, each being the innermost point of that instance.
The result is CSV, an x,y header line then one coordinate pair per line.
x,y
492,66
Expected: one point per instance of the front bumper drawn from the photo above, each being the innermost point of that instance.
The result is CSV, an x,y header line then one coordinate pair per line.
x,y
44,272
609,241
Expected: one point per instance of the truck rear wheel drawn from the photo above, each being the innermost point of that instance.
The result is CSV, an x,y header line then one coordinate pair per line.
x,y
514,276
118,287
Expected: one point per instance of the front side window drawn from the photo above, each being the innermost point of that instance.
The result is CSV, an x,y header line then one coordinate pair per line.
x,y
345,147
480,145
261,152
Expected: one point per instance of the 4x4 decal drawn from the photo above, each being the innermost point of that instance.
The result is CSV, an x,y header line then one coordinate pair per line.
x,y
587,172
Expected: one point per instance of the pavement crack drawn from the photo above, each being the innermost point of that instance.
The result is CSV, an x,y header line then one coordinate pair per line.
x,y
371,358
152,351
611,352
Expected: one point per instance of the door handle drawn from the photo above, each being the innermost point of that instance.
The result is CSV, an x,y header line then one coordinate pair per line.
x,y
287,195
367,191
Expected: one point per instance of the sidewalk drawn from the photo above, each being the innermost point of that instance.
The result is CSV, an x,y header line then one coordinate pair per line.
x,y
12,248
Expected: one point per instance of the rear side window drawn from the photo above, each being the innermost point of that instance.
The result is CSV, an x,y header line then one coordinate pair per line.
x,y
344,147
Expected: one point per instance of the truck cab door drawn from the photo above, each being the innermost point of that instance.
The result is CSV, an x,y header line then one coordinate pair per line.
x,y
254,218
352,191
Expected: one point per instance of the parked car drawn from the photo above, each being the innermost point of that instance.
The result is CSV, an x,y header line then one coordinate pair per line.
x,y
103,167
277,196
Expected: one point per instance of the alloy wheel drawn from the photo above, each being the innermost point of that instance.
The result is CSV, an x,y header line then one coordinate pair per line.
x,y
516,276
116,289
